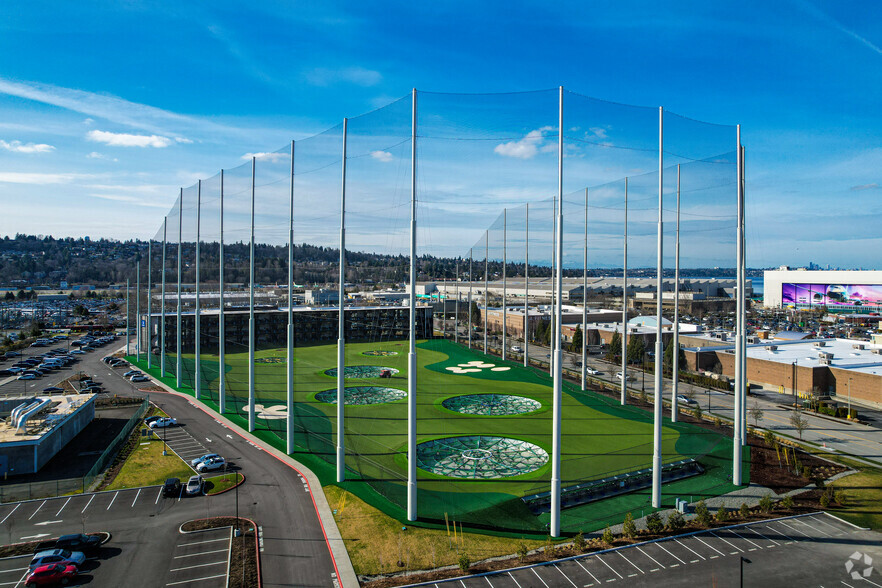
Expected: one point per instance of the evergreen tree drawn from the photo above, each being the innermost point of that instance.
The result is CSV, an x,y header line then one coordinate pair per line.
x,y
615,346
576,345
636,349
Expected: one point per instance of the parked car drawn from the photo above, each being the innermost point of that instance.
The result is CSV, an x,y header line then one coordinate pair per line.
x,y
194,486
172,487
206,457
140,378
27,377
215,463
51,575
132,373
87,544
54,556
7,372
77,352
150,419
163,422
53,389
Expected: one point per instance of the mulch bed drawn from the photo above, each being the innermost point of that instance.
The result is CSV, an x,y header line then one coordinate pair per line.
x,y
244,561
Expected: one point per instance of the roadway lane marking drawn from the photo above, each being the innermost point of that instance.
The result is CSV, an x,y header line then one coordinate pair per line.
x,y
565,576
38,510
112,499
709,545
630,562
206,541
136,498
201,553
587,572
534,572
610,567
671,554
10,513
158,496
197,579
87,504
650,557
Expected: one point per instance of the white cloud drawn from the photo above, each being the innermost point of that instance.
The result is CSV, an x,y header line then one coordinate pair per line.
x,y
183,140
19,147
525,148
40,179
96,155
383,156
598,132
872,186
150,203
264,155
128,140
352,75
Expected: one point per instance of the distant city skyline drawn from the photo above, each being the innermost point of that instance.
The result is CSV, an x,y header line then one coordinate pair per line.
x,y
108,108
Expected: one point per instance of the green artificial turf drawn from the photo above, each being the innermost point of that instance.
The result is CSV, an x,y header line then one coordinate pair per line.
x,y
599,437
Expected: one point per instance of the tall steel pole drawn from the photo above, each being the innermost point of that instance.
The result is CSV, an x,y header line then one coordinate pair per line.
x,y
411,355
739,382
527,285
486,284
469,322
504,280
198,321
743,292
675,360
128,337
289,423
149,331
162,304
341,324
624,398
585,301
552,345
659,382
252,327
138,310
179,361
456,305
556,351
221,324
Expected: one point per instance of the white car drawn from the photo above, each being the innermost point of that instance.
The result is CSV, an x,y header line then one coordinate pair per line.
x,y
215,463
685,399
619,376
162,422
194,486
517,349
591,371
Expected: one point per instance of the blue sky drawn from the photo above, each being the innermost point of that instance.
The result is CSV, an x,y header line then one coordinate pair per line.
x,y
108,108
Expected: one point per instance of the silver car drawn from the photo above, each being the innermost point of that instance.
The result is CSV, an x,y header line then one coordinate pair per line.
x,y
51,556
194,486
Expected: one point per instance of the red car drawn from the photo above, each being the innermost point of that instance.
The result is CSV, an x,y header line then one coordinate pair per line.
x,y
52,574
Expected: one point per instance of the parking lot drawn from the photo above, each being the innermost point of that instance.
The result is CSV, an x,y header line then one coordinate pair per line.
x,y
808,550
180,441
201,559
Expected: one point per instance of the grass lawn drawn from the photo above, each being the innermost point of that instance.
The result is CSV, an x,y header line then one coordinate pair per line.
x,y
600,438
217,484
146,466
376,542
864,497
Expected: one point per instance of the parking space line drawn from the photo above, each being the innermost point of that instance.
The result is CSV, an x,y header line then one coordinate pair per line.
x,y
650,557
795,529
669,553
729,543
200,553
630,562
38,510
537,575
488,581
87,504
510,576
838,530
565,576
756,545
802,522
112,499
214,563
10,513
709,545
611,568
63,505
20,580
136,498
196,580
201,542
690,549
158,496
750,527
586,571
780,534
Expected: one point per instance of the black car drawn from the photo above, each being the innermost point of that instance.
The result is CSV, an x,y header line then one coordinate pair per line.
x,y
6,373
53,389
172,487
88,544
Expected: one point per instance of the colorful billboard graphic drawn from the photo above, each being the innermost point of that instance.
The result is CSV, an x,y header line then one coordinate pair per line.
x,y
832,294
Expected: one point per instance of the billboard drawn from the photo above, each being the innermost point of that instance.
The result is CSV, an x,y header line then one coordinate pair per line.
x,y
832,294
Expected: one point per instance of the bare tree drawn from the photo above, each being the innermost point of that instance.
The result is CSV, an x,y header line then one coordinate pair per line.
x,y
756,413
799,422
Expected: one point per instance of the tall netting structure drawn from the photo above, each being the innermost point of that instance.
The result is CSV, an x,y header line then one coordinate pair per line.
x,y
425,384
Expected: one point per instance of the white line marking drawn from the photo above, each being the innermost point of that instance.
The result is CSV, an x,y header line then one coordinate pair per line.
x,y
709,545
537,575
756,545
136,498
201,542
802,522
650,557
795,529
158,496
214,563
200,553
63,505
870,581
587,572
196,580
671,554
728,542
564,575
10,513
826,524
513,579
87,504
488,581
112,499
769,527
600,559
630,562
38,510
751,529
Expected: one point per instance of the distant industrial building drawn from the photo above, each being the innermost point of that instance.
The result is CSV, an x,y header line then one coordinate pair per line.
x,y
849,291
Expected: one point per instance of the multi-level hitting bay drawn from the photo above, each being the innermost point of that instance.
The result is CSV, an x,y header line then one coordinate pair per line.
x,y
362,371
491,404
360,395
379,353
480,457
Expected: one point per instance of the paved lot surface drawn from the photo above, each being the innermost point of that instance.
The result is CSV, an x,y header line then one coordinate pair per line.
x,y
201,559
801,551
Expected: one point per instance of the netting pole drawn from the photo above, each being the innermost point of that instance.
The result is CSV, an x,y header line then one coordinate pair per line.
x,y
341,334
251,326
486,284
470,299
198,317
659,382
178,360
624,398
527,285
585,301
411,355
739,381
127,317
743,289
675,359
221,326
556,351
504,280
162,304
138,310
456,305
289,424
149,331
551,344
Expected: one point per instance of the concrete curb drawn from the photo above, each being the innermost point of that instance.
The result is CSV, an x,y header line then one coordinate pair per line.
x,y
345,572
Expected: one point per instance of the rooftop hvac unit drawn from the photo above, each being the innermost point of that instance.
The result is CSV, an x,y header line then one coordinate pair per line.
x,y
877,351
825,358
773,348
820,343
858,346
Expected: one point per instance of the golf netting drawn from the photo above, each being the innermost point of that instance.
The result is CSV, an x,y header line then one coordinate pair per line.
x,y
487,168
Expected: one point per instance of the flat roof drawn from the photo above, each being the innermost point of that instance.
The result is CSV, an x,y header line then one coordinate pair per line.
x,y
60,410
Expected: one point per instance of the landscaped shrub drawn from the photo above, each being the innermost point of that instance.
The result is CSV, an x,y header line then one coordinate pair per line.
x,y
722,514
744,511
787,502
703,515
608,536
676,521
629,528
579,542
654,523
766,504
464,562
